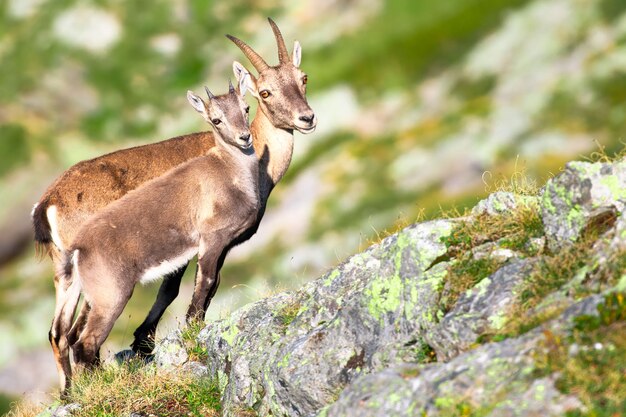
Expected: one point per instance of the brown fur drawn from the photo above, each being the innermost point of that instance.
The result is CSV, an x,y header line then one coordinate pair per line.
x,y
104,179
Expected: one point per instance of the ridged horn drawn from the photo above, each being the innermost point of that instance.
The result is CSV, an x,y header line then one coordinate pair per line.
x,y
254,58
231,88
283,55
209,93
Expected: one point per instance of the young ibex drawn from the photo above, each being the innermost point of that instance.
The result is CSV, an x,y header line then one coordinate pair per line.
x,y
200,207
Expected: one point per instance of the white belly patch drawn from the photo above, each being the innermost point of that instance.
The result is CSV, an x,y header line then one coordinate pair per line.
x,y
167,266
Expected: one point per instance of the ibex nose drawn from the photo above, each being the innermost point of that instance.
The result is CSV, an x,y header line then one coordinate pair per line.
x,y
245,137
308,118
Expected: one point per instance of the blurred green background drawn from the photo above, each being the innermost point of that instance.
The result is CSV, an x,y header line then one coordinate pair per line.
x,y
422,106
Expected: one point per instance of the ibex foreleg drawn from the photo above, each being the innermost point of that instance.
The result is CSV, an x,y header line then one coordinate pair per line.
x,y
206,277
212,291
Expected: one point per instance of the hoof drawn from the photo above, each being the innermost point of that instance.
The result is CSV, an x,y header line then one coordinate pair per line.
x,y
128,355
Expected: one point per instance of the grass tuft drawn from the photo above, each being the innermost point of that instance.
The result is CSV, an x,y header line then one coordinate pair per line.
x,y
512,230
288,313
517,182
189,336
133,387
555,269
25,409
605,156
591,362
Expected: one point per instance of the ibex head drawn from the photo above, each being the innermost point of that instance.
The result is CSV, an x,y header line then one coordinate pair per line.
x,y
280,89
227,113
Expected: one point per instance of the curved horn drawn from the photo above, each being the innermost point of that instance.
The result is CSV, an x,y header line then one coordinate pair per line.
x,y
255,59
283,55
208,93
231,89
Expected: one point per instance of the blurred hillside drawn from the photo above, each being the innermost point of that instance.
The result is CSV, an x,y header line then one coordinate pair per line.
x,y
422,106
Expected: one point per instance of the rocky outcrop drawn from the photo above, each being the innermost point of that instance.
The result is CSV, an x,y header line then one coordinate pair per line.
x,y
371,337
368,314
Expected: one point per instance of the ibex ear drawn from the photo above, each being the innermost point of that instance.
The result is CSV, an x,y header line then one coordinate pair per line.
x,y
297,53
244,78
243,84
197,103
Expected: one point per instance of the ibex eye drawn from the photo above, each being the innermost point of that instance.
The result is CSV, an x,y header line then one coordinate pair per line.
x,y
265,94
216,121
305,79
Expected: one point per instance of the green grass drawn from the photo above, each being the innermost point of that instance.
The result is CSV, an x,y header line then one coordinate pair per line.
x,y
130,76
594,370
119,390
5,403
605,118
288,313
462,408
14,149
464,274
189,335
612,9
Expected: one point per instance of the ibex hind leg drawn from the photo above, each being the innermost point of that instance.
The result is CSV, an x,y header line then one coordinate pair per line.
x,y
79,324
145,333
98,324
67,302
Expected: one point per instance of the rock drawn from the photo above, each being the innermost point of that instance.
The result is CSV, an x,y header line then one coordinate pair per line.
x,y
535,244
197,369
170,352
540,399
484,309
492,376
492,250
295,353
609,250
581,194
358,341
57,410
502,202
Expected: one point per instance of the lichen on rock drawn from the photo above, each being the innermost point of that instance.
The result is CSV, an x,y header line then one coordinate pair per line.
x,y
582,193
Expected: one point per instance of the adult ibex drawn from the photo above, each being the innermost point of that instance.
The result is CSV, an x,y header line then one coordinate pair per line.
x,y
199,207
283,108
